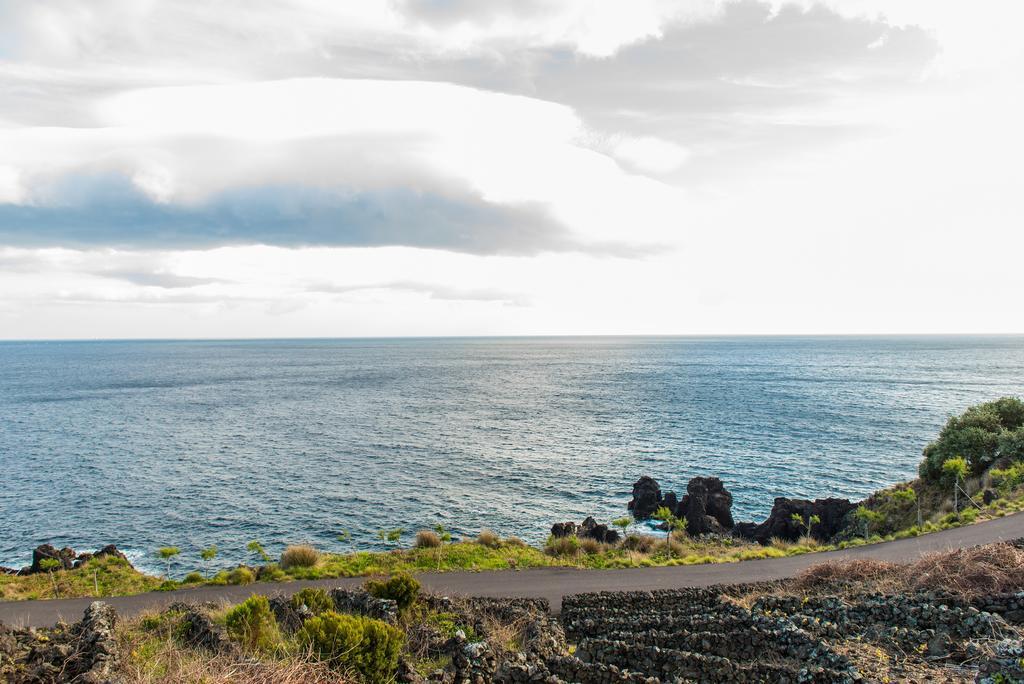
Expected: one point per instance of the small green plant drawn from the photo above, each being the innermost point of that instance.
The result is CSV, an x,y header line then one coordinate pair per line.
x,y
623,524
193,578
256,548
805,524
299,556
867,518
392,536
401,588
208,554
345,537
955,469
316,600
672,522
350,642
167,555
252,624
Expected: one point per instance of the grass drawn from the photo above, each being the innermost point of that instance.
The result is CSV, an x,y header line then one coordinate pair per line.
x,y
110,575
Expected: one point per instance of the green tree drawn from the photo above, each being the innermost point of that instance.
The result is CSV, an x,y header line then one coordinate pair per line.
x,y
673,524
167,554
980,435
867,518
955,469
208,554
257,549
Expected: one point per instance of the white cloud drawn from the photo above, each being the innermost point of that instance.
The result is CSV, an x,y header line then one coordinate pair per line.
x,y
508,167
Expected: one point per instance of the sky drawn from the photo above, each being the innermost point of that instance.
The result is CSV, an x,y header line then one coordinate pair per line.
x,y
325,168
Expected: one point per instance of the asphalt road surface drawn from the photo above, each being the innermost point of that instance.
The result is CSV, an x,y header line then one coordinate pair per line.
x,y
549,583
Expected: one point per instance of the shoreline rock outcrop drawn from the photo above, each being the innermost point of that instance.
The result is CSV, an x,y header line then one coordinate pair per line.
x,y
67,557
588,529
780,524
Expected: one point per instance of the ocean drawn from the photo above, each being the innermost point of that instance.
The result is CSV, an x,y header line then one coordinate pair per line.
x,y
190,443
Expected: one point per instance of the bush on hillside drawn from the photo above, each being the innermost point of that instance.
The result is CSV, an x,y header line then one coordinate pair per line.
x,y
401,588
349,642
241,575
316,600
982,434
252,624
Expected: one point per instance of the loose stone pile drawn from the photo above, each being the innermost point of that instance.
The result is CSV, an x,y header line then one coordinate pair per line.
x,y
85,653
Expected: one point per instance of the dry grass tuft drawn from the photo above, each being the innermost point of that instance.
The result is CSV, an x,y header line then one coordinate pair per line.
x,y
515,542
994,568
643,543
427,539
489,539
840,572
299,556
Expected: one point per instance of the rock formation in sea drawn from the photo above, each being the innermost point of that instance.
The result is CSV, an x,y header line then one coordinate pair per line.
x,y
646,498
707,509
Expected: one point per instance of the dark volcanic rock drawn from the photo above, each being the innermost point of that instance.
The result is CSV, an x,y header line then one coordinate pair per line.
x,y
589,529
594,530
706,506
780,522
65,556
646,498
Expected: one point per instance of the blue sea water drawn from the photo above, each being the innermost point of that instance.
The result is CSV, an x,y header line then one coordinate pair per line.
x,y
191,443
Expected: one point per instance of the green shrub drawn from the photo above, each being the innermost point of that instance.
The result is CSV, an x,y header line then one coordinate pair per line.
x,y
427,539
1010,445
316,600
1008,479
350,642
252,624
979,435
240,575
401,588
299,556
271,572
168,585
489,539
194,577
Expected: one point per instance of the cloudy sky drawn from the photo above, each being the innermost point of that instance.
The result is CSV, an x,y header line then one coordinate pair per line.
x,y
279,168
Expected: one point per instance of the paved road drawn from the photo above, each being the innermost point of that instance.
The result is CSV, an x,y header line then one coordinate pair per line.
x,y
549,583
